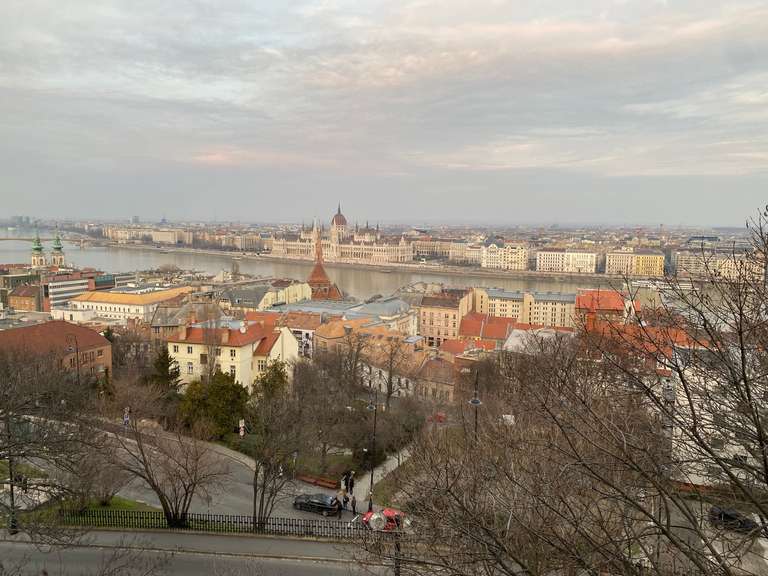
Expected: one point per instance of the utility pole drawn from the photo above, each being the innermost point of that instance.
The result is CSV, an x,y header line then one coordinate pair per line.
x,y
373,406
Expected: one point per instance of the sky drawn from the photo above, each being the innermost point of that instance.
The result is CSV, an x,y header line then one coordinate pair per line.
x,y
497,111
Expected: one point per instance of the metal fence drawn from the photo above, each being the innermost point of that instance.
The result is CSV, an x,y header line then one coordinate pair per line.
x,y
132,519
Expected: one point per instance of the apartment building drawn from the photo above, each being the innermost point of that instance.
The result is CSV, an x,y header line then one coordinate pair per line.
x,y
647,263
505,257
242,349
566,261
439,315
539,308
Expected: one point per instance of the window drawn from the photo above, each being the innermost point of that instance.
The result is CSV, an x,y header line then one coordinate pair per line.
x,y
232,371
190,368
100,353
189,349
175,347
203,359
232,353
218,351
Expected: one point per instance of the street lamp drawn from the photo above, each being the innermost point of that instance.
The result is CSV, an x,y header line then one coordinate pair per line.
x,y
475,402
372,406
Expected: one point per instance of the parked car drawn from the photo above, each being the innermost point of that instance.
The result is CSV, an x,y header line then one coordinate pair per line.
x,y
731,519
318,503
386,520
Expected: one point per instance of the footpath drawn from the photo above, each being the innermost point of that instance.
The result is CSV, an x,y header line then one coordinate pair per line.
x,y
362,477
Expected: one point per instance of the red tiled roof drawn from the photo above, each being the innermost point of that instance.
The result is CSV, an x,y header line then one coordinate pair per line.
x,y
484,326
266,344
254,333
54,336
602,301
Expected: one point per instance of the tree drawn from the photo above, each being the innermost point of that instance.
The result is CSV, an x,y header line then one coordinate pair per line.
x,y
275,433
166,372
604,452
176,467
218,401
327,425
45,421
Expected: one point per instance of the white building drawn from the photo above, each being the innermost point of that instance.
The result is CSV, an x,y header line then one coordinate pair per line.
x,y
566,261
136,304
505,257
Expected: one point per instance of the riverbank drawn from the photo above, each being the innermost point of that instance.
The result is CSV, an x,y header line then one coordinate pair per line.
x,y
414,267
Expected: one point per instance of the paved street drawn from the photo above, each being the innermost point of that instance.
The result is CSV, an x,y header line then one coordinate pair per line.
x,y
236,495
188,554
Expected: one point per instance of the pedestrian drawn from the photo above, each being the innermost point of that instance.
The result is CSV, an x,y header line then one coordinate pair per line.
x,y
344,480
342,497
353,503
338,508
351,482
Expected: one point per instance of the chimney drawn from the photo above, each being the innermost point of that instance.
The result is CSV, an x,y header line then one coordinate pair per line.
x,y
225,336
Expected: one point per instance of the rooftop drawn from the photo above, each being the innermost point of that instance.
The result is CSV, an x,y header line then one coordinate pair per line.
x,y
133,299
55,336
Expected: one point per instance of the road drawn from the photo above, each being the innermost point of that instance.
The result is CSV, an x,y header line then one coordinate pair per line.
x,y
236,494
188,554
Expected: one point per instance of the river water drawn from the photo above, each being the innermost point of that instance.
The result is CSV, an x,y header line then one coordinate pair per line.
x,y
358,283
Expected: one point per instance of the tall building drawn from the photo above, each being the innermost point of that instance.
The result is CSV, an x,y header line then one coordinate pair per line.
x,y
57,256
38,256
319,282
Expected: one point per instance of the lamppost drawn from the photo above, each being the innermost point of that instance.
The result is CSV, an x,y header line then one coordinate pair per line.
x,y
372,406
476,403
76,349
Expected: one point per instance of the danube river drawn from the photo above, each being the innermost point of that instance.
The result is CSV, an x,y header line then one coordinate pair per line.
x,y
359,283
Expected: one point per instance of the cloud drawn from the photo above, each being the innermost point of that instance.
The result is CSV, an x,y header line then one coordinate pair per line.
x,y
351,89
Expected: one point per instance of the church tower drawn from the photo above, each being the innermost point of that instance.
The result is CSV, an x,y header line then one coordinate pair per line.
x,y
38,257
57,257
319,282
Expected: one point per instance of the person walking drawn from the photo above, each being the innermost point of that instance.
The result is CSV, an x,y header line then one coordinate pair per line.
x,y
338,508
351,483
353,503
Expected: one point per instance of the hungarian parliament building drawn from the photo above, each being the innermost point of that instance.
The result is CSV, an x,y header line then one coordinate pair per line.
x,y
342,244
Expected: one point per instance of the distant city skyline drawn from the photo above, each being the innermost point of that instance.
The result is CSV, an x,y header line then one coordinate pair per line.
x,y
597,112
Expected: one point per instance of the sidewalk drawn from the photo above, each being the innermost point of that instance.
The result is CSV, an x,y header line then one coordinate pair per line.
x,y
363,479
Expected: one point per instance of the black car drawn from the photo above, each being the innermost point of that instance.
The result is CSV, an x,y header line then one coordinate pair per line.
x,y
319,503
731,519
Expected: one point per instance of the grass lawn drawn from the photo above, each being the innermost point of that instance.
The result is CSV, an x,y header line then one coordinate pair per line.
x,y
385,490
336,465
118,503
23,469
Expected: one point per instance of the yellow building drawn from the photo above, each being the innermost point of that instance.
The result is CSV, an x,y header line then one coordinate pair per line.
x,y
241,349
440,315
539,308
647,263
